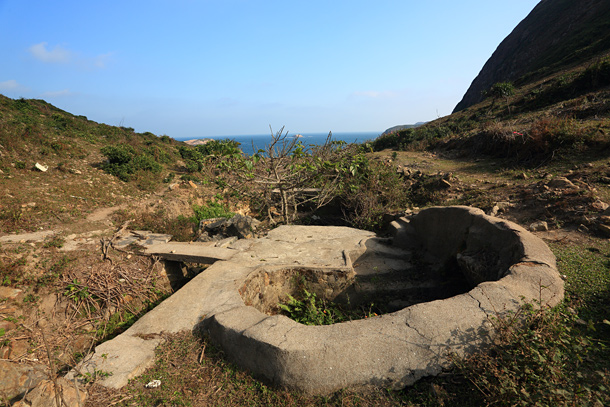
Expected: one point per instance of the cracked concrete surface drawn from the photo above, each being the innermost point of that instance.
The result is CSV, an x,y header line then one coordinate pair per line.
x,y
391,350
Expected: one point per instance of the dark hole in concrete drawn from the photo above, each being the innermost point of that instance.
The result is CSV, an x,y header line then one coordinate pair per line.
x,y
376,282
179,273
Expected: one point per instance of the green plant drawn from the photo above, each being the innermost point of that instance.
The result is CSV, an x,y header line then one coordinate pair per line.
x,y
92,377
311,311
31,298
539,357
76,291
57,242
212,209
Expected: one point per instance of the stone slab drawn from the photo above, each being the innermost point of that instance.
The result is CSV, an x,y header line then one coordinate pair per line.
x,y
190,252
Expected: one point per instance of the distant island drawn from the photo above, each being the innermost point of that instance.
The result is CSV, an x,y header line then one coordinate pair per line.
x,y
197,141
402,127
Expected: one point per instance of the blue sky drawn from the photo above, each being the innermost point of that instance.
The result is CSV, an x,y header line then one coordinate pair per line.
x,y
200,68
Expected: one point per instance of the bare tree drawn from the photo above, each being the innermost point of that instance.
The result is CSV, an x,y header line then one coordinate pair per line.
x,y
289,174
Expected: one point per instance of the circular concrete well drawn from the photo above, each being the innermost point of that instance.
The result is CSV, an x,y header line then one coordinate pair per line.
x,y
448,269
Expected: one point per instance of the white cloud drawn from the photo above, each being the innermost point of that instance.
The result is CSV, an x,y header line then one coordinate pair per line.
x,y
56,55
9,85
55,94
61,55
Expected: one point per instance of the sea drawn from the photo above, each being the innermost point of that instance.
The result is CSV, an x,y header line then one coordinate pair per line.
x,y
251,143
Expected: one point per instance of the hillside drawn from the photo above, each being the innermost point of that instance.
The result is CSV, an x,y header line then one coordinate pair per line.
x,y
556,35
537,156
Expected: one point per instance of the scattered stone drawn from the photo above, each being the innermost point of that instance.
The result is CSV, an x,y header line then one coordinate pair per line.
x,y
600,206
561,183
9,293
75,171
443,183
244,227
17,378
44,395
153,384
540,226
174,186
7,326
17,349
40,167
499,207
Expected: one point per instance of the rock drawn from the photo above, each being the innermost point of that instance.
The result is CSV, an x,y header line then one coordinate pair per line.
x,y
600,206
40,167
540,226
174,186
17,378
7,325
43,395
241,226
499,207
9,293
17,349
561,183
443,183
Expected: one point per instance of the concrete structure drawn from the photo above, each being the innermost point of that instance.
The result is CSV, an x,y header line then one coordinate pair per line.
x,y
498,261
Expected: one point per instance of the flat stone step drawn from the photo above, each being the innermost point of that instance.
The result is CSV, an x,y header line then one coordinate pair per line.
x,y
191,252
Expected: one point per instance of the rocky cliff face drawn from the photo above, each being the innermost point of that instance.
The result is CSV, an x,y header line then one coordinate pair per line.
x,y
555,34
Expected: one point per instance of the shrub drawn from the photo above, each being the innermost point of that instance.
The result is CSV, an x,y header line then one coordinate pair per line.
x,y
370,190
124,163
120,154
212,209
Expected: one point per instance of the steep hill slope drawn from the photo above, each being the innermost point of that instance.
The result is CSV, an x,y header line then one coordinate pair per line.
x,y
555,35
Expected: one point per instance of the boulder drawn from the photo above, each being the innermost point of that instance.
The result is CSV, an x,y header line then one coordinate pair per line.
x,y
244,227
561,183
44,395
18,378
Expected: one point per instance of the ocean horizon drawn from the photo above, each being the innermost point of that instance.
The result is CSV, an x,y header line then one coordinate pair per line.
x,y
249,143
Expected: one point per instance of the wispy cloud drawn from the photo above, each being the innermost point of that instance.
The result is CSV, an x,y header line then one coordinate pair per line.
x,y
101,61
12,86
9,85
56,94
61,55
57,55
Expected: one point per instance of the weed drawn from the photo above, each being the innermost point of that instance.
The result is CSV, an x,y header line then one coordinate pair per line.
x,y
76,291
57,242
308,309
311,311
31,298
212,209
88,377
540,357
